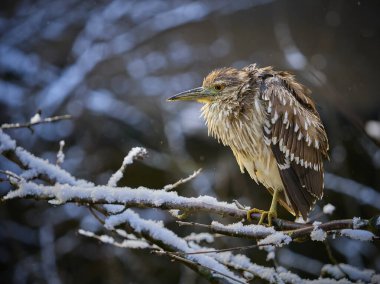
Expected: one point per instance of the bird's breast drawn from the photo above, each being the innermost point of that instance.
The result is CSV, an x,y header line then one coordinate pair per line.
x,y
242,131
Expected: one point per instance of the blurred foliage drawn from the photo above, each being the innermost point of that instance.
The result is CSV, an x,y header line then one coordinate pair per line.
x,y
112,64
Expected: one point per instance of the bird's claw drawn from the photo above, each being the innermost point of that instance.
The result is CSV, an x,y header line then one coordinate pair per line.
x,y
263,214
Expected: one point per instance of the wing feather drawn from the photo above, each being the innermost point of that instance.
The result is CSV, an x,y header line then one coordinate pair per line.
x,y
297,137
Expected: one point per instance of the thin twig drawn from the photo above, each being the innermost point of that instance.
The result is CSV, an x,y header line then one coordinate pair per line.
x,y
10,174
33,123
182,181
332,258
134,154
221,250
329,226
101,221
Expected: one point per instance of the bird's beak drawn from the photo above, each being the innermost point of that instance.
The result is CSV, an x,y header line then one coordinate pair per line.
x,y
198,94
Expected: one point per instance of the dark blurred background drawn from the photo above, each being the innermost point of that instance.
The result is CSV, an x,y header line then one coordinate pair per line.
x,y
112,64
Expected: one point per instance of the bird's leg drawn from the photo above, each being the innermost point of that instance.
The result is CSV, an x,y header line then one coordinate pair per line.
x,y
273,208
272,213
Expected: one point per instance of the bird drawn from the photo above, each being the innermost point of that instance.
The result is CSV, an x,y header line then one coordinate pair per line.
x,y
274,130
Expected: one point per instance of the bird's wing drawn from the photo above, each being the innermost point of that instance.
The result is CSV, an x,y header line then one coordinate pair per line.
x,y
295,133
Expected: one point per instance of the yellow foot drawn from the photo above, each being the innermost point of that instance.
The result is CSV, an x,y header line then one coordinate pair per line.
x,y
269,214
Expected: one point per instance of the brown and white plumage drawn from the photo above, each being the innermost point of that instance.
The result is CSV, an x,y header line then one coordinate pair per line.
x,y
272,127
296,135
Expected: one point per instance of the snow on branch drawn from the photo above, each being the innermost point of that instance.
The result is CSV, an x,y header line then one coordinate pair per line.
x,y
343,271
42,180
360,235
132,244
40,167
182,181
60,154
153,198
218,263
130,197
135,153
35,120
156,230
317,234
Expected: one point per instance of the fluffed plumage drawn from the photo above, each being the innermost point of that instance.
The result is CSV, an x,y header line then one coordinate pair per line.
x,y
273,128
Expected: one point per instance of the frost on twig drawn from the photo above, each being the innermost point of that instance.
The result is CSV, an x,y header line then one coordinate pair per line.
x,y
318,234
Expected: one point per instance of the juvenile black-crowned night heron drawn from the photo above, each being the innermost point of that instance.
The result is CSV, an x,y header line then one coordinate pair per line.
x,y
273,129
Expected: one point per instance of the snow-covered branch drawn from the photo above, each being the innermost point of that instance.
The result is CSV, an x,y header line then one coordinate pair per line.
x,y
129,197
41,180
35,120
135,153
66,188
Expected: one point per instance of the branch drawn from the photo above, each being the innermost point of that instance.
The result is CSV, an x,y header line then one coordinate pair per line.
x,y
170,187
196,267
344,227
69,189
41,168
130,197
162,237
135,153
35,120
210,263
148,198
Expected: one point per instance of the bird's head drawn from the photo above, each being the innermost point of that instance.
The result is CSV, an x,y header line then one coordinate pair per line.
x,y
219,84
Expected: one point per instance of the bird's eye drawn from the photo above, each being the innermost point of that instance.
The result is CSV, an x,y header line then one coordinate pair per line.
x,y
219,87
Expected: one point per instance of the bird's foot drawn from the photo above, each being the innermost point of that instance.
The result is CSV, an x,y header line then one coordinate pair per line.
x,y
263,214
